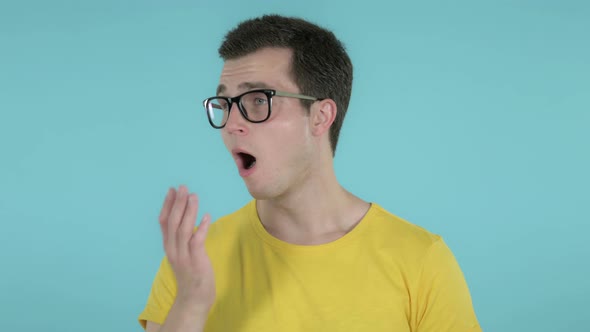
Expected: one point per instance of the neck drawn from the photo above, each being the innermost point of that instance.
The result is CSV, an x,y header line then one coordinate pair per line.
x,y
318,210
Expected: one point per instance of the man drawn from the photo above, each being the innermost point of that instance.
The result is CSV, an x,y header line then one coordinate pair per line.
x,y
304,254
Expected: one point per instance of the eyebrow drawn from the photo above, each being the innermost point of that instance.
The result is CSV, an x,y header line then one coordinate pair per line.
x,y
246,86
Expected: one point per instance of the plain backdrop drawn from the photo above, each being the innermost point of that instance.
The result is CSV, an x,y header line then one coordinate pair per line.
x,y
468,118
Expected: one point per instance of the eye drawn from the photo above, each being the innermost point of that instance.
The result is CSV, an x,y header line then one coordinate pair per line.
x,y
260,101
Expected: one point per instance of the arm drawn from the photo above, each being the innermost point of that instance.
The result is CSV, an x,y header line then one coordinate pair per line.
x,y
443,299
180,319
152,327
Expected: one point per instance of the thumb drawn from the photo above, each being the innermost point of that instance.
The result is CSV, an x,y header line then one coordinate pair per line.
x,y
202,230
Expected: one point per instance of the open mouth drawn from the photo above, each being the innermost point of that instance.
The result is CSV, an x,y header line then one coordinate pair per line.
x,y
248,161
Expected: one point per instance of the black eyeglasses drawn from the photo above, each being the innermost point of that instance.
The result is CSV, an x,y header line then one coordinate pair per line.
x,y
255,105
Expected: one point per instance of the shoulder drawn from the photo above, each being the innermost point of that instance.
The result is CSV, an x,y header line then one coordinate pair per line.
x,y
392,231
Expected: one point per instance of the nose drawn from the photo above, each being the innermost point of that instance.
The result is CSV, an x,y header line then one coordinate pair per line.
x,y
236,124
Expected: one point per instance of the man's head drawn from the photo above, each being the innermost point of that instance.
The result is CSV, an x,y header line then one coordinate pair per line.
x,y
320,66
284,135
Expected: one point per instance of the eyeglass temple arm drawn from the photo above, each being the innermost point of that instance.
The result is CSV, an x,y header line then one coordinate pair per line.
x,y
295,95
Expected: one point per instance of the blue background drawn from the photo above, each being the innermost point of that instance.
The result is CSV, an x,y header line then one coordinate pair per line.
x,y
468,118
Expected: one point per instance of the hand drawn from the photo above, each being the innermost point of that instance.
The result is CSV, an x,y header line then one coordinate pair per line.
x,y
185,250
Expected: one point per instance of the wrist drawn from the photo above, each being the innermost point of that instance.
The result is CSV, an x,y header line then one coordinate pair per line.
x,y
193,307
186,315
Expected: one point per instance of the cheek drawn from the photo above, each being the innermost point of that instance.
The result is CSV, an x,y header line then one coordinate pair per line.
x,y
292,121
290,134
225,138
291,140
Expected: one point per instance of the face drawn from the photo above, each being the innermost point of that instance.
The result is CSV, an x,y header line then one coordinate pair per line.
x,y
273,156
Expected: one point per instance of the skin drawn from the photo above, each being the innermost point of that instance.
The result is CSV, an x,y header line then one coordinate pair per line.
x,y
299,199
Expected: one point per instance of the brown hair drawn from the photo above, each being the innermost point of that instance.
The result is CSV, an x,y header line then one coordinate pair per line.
x,y
320,68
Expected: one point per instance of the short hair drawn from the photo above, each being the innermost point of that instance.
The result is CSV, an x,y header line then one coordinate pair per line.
x,y
320,66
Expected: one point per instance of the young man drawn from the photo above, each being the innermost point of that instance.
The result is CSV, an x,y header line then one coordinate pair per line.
x,y
304,254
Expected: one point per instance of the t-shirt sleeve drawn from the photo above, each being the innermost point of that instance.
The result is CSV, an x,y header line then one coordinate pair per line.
x,y
443,298
161,297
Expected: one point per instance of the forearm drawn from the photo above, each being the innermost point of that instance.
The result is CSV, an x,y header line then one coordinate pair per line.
x,y
184,317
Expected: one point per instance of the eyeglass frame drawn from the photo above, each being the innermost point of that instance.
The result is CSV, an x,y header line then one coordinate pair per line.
x,y
237,99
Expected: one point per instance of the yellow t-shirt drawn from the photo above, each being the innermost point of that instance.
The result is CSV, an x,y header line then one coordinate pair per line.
x,y
385,275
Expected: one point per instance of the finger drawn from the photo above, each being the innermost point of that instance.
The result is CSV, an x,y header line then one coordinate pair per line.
x,y
198,238
164,213
176,216
167,206
185,229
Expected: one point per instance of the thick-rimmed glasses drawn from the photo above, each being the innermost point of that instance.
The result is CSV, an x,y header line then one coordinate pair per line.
x,y
255,105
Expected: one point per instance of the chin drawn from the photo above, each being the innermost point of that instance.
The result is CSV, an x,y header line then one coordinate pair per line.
x,y
260,195
262,191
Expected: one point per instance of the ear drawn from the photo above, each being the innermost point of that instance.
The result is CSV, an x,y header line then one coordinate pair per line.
x,y
323,114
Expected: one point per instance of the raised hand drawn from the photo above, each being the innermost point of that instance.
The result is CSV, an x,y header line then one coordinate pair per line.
x,y
185,250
